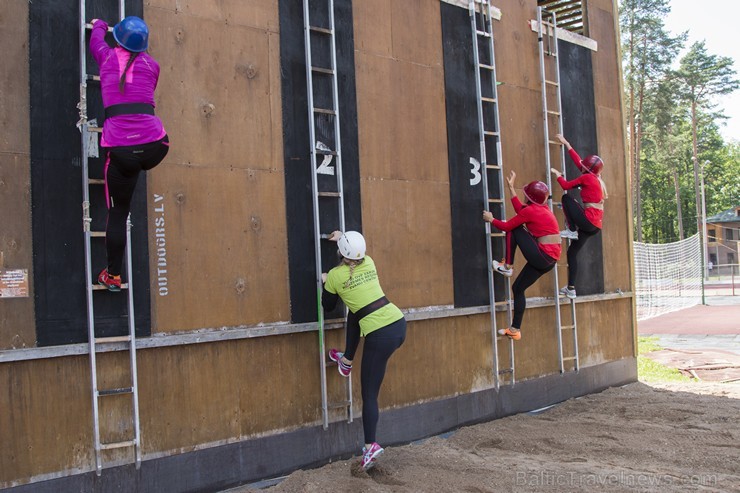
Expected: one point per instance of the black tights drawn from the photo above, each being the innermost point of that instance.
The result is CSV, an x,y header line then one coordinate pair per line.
x,y
575,217
122,168
538,264
379,346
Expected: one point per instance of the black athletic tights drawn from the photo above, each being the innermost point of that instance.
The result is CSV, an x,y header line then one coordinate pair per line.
x,y
379,346
575,215
538,264
122,170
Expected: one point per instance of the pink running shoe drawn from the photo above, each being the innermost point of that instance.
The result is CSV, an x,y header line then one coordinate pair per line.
x,y
370,455
343,368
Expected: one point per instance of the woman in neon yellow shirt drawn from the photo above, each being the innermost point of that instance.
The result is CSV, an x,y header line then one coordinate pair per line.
x,y
372,316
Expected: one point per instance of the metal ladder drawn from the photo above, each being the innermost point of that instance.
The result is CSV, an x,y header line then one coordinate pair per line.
x,y
481,23
548,46
326,180
90,131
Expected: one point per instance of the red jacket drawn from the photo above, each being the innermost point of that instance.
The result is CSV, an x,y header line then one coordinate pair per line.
x,y
590,190
539,220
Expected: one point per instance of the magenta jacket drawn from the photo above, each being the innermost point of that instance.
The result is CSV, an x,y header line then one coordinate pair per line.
x,y
141,81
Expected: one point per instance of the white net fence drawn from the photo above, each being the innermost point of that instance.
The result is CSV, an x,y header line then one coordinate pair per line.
x,y
667,276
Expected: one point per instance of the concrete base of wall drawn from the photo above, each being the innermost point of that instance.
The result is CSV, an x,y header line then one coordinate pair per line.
x,y
230,465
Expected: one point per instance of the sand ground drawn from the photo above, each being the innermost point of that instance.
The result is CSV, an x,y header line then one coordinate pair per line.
x,y
640,437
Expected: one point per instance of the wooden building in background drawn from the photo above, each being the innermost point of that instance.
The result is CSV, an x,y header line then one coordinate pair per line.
x,y
228,353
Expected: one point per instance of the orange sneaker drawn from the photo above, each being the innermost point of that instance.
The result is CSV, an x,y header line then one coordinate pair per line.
x,y
513,334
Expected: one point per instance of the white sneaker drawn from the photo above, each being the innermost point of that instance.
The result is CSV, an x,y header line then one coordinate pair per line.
x,y
500,267
571,235
570,293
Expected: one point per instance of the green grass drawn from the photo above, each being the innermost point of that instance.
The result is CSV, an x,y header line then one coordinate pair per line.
x,y
649,370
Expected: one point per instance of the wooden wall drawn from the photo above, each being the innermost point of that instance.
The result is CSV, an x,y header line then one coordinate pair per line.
x,y
17,326
221,194
222,182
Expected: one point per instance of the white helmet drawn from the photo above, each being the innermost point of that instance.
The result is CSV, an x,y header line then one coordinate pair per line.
x,y
352,245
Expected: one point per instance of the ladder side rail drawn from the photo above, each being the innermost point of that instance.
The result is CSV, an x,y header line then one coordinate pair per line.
x,y
543,74
563,169
316,225
338,166
484,182
499,157
132,347
86,229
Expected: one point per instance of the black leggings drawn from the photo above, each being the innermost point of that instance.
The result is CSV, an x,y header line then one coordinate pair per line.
x,y
379,346
122,168
575,216
538,264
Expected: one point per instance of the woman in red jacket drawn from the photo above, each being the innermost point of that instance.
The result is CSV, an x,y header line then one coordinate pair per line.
x,y
539,242
583,221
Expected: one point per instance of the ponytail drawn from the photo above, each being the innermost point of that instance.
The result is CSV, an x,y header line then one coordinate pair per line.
x,y
130,62
352,264
603,187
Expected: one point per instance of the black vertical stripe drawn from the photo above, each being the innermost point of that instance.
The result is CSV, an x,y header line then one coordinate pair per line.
x,y
469,257
296,145
56,185
579,127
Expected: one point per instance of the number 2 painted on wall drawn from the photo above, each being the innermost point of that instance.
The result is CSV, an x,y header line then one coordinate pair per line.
x,y
324,168
475,172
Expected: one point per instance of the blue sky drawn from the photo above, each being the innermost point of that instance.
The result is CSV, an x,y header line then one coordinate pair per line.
x,y
716,22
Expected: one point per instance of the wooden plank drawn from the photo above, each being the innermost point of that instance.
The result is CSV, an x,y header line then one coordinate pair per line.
x,y
513,65
397,228
17,319
401,105
260,14
200,110
373,27
220,253
17,326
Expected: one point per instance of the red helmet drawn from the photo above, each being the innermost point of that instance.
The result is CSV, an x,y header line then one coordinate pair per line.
x,y
592,164
537,192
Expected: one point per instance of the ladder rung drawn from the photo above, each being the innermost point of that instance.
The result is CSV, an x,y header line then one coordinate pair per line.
x,y
96,181
554,142
566,327
496,201
324,111
493,166
329,194
90,26
322,30
487,67
97,234
91,77
114,445
94,129
505,371
98,287
122,390
554,202
482,33
488,100
488,132
569,358
322,70
338,405
501,303
111,340
326,153
551,82
498,235
550,112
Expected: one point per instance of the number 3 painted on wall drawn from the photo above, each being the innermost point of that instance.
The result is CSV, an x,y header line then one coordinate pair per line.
x,y
475,172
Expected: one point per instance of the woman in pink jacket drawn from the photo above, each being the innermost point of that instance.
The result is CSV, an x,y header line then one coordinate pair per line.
x,y
133,136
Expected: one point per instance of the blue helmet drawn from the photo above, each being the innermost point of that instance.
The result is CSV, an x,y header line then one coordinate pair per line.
x,y
132,33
